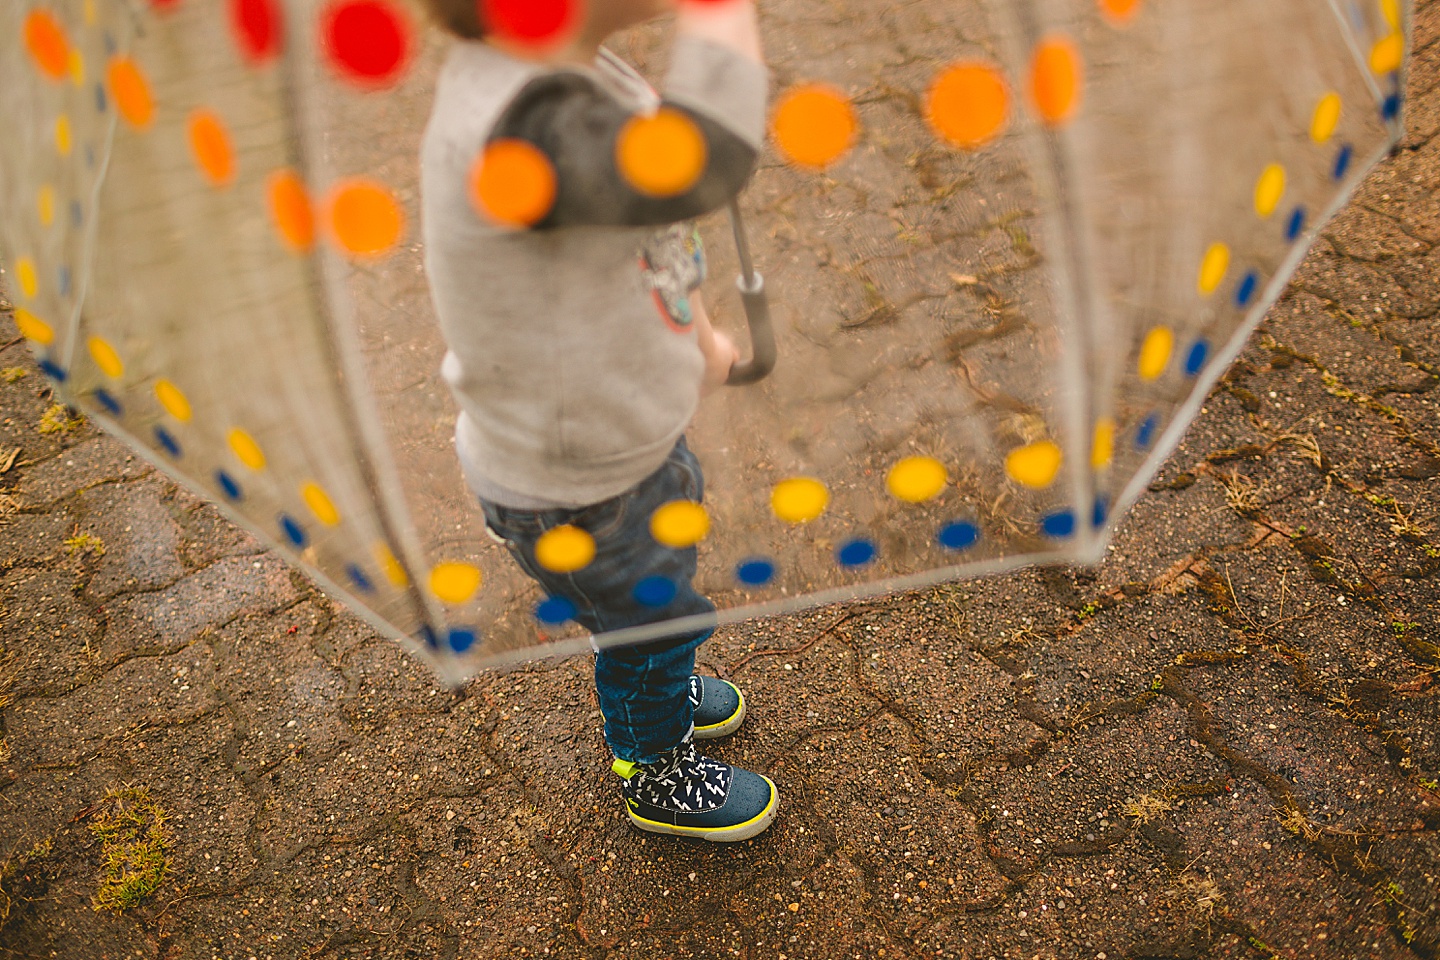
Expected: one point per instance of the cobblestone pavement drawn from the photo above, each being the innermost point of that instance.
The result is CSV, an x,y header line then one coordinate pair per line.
x,y
1224,742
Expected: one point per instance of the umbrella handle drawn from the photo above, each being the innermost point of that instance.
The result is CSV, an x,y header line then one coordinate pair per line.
x,y
757,313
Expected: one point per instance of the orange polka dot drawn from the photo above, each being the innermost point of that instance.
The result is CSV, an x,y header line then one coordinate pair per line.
x,y
968,104
364,217
814,125
130,91
45,40
290,210
1119,11
661,155
513,183
210,143
1056,76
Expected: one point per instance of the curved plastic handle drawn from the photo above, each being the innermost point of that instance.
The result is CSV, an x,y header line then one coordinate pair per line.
x,y
757,312
762,335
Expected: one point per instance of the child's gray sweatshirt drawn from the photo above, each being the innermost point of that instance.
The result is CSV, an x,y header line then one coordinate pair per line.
x,y
571,349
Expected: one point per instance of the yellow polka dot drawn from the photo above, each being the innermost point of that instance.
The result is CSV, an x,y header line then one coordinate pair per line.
x,y
968,105
91,14
76,67
916,479
813,125
680,524
1102,444
365,218
1390,10
130,91
106,358
1269,190
394,571
246,450
1326,119
173,400
564,549
1035,465
799,499
64,137
1213,267
1056,78
25,274
45,205
1388,54
661,155
454,582
1155,352
33,328
320,503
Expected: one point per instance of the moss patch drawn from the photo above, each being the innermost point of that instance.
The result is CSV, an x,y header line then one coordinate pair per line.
x,y
135,848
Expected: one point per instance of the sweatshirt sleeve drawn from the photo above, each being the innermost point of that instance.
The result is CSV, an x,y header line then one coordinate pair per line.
x,y
576,124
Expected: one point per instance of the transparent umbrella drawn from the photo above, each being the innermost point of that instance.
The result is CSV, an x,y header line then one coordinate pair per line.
x,y
1007,249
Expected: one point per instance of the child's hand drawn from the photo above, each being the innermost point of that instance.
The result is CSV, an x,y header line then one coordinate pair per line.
x,y
717,348
721,356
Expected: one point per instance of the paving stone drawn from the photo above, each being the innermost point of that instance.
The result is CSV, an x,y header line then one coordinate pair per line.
x,y
141,541
93,461
231,588
49,637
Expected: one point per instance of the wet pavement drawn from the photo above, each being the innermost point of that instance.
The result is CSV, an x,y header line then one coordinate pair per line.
x,y
1223,742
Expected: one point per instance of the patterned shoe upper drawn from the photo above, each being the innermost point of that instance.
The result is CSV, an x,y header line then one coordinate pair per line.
x,y
685,782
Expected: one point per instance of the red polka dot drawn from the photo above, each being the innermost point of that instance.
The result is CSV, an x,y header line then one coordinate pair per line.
x,y
530,23
368,41
164,6
258,28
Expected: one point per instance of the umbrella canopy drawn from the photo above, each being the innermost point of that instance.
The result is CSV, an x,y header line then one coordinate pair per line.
x,y
1009,247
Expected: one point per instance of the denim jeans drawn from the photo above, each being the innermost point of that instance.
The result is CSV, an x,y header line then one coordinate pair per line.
x,y
644,689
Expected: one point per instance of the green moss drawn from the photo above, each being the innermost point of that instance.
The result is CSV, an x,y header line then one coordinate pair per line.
x,y
134,848
11,374
58,420
85,543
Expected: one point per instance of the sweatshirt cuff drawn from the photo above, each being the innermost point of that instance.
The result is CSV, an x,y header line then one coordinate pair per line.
x,y
721,84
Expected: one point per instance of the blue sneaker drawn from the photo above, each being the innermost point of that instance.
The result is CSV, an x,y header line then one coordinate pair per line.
x,y
689,795
719,707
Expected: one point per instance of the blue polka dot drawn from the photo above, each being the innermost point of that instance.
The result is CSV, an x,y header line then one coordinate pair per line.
x,y
1145,436
460,639
53,370
228,486
1390,109
77,213
1059,525
89,156
63,276
1100,512
428,636
358,578
856,553
100,102
294,533
655,591
167,441
1342,161
1249,285
1296,225
554,611
111,405
958,535
1195,359
756,572
109,40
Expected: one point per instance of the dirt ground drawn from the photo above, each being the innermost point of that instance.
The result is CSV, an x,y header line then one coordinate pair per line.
x,y
1224,742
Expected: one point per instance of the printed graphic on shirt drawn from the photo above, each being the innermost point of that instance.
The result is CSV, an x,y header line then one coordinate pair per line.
x,y
672,263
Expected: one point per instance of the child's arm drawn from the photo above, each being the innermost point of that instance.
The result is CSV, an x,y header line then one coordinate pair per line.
x,y
716,79
718,349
